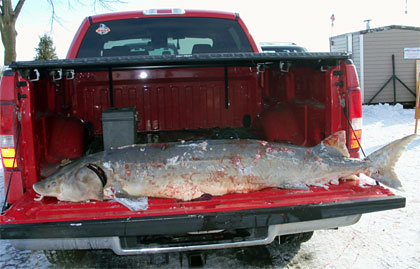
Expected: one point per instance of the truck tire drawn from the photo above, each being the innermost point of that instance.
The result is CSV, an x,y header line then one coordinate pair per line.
x,y
295,238
64,257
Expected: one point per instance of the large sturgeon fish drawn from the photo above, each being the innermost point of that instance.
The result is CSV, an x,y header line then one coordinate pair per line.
x,y
187,170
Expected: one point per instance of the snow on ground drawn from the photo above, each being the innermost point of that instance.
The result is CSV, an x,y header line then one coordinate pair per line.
x,y
388,239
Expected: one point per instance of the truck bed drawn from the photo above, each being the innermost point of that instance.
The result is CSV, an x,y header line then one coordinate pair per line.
x,y
305,99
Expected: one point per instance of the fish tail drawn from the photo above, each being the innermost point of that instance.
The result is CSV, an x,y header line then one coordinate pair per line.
x,y
384,160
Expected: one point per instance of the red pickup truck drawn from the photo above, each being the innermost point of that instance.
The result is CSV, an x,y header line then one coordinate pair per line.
x,y
186,75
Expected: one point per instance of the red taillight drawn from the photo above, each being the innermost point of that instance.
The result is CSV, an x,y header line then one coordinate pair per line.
x,y
6,119
356,119
353,108
356,137
8,157
7,134
352,79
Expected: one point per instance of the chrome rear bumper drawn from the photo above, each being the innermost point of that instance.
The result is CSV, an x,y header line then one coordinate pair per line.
x,y
115,244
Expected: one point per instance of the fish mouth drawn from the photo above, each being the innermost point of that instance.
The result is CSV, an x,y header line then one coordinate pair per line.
x,y
35,189
39,196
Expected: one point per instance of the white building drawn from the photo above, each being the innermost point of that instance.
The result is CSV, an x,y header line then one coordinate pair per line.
x,y
372,52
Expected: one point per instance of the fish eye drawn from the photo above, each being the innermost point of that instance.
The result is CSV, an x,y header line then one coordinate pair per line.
x,y
53,184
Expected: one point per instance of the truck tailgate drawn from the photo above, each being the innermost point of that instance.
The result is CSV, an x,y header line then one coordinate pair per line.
x,y
50,218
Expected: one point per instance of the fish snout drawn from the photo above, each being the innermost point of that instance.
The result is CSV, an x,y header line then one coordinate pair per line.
x,y
47,187
37,188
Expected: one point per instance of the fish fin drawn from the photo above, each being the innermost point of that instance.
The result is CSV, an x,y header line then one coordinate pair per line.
x,y
297,186
65,162
384,160
337,141
334,145
352,177
133,203
119,193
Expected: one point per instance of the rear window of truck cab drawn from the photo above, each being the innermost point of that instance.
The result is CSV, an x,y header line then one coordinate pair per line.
x,y
163,36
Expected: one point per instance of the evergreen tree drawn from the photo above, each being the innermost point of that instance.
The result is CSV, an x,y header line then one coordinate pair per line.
x,y
46,48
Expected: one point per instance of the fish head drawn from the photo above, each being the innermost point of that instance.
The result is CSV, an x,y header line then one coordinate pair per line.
x,y
80,184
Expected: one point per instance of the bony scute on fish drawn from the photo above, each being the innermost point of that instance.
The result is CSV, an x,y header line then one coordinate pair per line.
x,y
231,166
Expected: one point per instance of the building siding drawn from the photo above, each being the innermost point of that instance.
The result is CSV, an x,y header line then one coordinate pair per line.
x,y
340,44
379,46
356,53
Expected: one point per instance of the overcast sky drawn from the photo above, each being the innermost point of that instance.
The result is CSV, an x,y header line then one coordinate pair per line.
x,y
305,22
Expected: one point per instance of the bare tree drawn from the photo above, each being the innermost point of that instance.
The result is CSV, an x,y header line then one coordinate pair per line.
x,y
8,19
9,15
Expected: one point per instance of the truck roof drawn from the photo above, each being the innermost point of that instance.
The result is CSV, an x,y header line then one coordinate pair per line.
x,y
162,13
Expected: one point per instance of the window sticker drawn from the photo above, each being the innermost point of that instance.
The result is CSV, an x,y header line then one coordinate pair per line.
x,y
103,29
